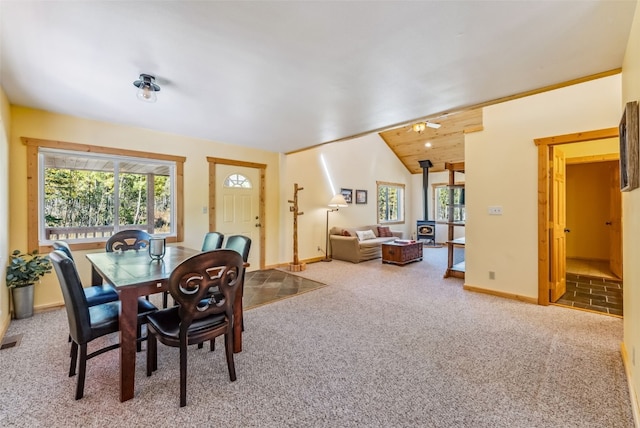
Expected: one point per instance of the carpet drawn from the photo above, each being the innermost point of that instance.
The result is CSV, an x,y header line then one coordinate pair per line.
x,y
380,346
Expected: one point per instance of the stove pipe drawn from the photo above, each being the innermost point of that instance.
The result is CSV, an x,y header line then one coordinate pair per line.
x,y
425,165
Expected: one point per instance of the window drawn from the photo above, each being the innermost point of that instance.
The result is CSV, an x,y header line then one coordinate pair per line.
x,y
390,202
237,180
84,194
441,196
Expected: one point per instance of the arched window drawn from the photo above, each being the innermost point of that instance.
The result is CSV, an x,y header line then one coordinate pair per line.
x,y
238,181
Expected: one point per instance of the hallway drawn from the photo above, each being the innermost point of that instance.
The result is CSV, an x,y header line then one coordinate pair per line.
x,y
592,286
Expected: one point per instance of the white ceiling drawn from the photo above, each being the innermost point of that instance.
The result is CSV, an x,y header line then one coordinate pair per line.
x,y
285,75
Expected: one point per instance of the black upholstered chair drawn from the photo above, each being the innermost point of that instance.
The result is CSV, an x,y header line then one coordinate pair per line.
x,y
125,240
199,316
212,241
96,294
87,323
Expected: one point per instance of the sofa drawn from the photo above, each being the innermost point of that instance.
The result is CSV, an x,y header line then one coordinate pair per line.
x,y
357,244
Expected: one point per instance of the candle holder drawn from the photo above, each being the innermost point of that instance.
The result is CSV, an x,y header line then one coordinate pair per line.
x,y
157,248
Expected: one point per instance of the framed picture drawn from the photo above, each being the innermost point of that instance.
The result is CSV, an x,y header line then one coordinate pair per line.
x,y
348,195
629,154
361,196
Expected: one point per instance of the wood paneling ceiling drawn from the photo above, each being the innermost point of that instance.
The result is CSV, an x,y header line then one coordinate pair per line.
x,y
447,142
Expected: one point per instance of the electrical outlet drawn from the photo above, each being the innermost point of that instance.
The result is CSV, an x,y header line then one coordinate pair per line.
x,y
492,275
495,210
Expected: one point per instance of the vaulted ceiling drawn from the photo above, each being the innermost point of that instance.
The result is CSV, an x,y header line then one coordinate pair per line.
x,y
287,75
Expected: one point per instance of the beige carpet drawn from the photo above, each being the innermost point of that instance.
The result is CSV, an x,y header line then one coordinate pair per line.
x,y
379,346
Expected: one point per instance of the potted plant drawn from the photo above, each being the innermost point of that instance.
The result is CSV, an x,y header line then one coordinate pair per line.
x,y
24,270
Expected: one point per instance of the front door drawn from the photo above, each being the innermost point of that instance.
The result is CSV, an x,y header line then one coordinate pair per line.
x,y
238,209
558,220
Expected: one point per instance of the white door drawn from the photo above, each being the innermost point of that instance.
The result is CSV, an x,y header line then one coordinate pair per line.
x,y
237,206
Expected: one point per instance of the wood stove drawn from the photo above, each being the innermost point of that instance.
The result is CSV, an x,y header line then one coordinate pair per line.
x,y
426,229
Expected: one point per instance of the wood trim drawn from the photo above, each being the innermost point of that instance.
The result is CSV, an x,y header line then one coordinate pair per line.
x,y
499,294
33,144
578,137
62,145
608,157
544,149
213,161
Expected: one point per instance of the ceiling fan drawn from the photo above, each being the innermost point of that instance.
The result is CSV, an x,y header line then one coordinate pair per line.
x,y
419,127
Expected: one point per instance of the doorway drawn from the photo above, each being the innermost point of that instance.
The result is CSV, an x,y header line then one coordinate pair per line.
x,y
238,208
552,229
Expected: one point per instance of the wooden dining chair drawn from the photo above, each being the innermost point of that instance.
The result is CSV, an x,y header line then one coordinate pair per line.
x,y
212,241
87,323
132,239
97,293
199,316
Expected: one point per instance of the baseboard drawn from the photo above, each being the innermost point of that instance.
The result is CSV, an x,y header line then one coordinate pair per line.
x,y
48,307
286,265
497,293
4,327
632,392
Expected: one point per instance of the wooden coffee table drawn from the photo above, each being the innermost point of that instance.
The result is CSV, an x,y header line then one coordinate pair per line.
x,y
401,253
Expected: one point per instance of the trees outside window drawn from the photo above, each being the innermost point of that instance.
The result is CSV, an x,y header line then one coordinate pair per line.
x,y
88,197
390,202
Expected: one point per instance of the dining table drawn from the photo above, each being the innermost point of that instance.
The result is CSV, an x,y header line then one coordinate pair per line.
x,y
134,274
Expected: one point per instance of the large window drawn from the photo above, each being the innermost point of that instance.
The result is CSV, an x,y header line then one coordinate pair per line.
x,y
85,196
390,202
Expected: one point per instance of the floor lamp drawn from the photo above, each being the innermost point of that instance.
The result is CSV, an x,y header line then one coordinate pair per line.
x,y
336,202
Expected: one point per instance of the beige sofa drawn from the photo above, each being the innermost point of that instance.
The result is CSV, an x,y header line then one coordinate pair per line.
x,y
352,249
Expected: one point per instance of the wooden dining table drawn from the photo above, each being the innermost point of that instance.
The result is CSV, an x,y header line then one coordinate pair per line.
x,y
135,274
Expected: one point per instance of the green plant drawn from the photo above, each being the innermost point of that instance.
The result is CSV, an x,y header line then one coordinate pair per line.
x,y
26,268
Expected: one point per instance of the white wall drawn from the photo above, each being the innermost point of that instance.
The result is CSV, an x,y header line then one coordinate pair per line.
x,y
501,169
322,171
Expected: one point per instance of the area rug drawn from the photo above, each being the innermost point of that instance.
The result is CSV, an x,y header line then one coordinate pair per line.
x,y
268,286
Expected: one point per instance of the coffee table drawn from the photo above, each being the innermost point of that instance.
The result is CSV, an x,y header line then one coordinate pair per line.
x,y
401,253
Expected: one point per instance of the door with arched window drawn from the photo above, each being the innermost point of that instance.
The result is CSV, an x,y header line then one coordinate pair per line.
x,y
237,202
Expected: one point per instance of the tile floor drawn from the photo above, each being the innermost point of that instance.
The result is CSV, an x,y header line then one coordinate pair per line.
x,y
592,286
266,286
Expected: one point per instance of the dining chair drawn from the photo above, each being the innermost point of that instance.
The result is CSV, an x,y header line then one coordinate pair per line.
x,y
212,241
199,316
97,293
87,323
242,245
132,239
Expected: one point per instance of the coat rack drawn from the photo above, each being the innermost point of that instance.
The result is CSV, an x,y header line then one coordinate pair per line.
x,y
296,266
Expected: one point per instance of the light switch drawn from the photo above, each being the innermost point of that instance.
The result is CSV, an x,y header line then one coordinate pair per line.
x,y
495,210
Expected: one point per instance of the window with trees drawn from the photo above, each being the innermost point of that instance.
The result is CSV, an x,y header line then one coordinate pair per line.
x,y
86,195
441,196
390,202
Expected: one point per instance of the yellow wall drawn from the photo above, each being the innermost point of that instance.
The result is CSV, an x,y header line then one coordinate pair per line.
x,y
5,127
501,167
40,124
588,195
631,219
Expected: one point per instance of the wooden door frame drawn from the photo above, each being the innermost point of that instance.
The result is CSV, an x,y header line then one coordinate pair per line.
x,y
261,196
544,147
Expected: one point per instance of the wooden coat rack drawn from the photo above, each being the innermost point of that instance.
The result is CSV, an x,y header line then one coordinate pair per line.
x,y
296,266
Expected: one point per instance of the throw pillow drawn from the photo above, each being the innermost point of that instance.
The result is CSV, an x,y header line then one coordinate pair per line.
x,y
345,232
384,232
363,235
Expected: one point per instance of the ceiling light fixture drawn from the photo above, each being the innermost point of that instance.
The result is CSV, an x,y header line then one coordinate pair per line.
x,y
421,126
147,88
